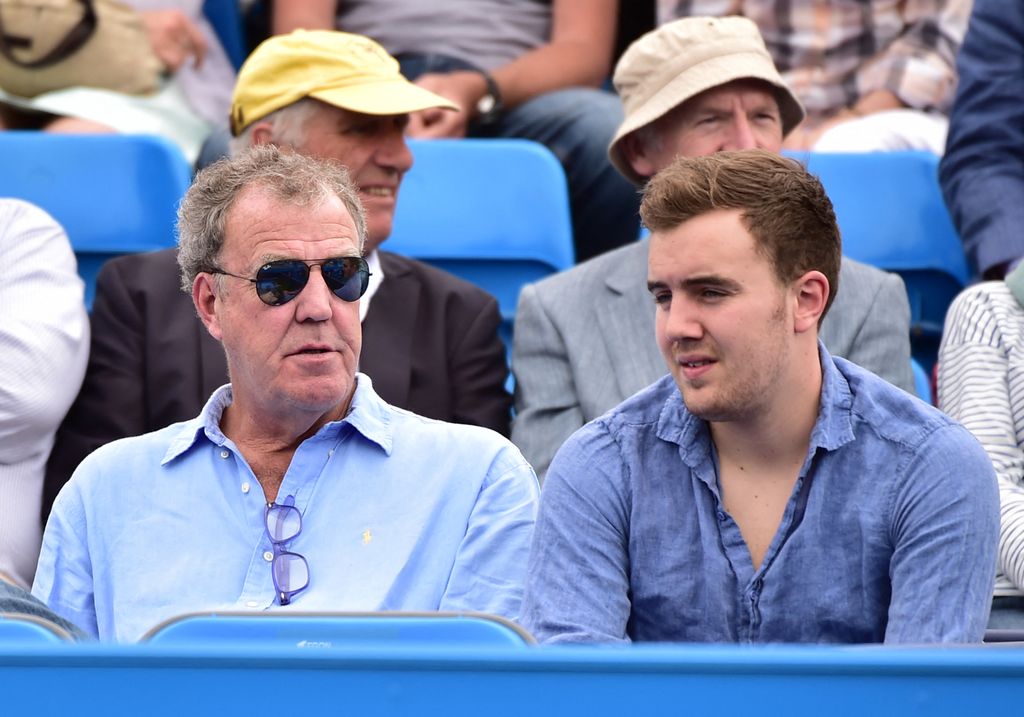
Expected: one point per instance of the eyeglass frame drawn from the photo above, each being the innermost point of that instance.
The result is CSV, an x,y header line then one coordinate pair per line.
x,y
362,273
279,551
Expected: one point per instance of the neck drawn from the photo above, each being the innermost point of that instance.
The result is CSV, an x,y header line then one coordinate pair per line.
x,y
780,433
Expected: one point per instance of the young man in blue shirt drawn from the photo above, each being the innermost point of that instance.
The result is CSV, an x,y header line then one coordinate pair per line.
x,y
764,491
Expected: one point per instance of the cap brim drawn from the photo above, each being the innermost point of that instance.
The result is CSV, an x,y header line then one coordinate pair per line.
x,y
389,97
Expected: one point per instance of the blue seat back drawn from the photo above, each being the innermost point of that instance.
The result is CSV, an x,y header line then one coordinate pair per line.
x,y
113,194
494,212
892,215
17,630
340,629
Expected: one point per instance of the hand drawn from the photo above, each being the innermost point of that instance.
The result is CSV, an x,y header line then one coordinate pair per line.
x,y
464,88
174,38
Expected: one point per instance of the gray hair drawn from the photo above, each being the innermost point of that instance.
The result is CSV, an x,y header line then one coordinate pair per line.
x,y
285,175
287,126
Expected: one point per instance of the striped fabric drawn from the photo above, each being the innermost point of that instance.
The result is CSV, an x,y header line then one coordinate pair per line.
x,y
981,384
832,53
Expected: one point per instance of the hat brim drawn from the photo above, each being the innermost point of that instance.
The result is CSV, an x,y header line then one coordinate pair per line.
x,y
389,97
704,76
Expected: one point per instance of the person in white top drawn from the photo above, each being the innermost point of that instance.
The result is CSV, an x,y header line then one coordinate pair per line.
x,y
981,384
44,345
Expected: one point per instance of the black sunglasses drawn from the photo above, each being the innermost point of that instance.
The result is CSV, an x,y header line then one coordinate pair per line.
x,y
278,282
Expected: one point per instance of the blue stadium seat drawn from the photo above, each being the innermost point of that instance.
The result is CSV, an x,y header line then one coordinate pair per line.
x,y
339,629
492,211
892,215
113,194
226,18
17,630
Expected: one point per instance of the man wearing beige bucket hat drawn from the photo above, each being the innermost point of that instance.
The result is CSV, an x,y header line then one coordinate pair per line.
x,y
584,339
430,340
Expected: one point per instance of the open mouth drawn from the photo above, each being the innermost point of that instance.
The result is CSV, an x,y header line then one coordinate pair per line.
x,y
695,364
379,192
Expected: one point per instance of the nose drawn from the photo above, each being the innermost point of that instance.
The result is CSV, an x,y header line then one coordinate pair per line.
x,y
394,153
742,133
314,302
682,321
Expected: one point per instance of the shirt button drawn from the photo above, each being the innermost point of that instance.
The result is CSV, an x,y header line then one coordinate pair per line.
x,y
268,556
224,454
245,487
721,515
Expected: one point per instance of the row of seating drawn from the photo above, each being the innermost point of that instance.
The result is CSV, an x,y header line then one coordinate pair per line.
x,y
492,211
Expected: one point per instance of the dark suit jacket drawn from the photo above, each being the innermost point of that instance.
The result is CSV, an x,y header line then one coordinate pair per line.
x,y
430,344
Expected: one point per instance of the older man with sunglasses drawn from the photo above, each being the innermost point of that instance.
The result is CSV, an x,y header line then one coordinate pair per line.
x,y
430,339
297,485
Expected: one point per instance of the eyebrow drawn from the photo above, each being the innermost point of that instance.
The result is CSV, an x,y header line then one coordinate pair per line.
x,y
699,281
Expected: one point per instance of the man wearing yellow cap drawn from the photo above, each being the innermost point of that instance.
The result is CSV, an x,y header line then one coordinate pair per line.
x,y
430,340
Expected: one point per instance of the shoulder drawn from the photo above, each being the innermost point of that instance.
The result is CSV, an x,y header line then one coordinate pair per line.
x,y
472,453
888,414
19,215
624,261
142,267
854,274
640,418
982,314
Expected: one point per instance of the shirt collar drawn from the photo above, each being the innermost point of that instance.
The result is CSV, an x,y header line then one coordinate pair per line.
x,y
368,414
376,277
832,429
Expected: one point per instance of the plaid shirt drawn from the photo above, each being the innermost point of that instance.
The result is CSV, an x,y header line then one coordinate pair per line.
x,y
833,52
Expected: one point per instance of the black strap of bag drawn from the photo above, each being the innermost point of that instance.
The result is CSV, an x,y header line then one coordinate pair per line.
x,y
76,37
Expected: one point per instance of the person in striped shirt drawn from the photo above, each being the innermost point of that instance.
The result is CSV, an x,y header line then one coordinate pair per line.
x,y
981,384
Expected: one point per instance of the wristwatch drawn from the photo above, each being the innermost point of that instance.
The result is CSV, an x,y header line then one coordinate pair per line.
x,y
489,106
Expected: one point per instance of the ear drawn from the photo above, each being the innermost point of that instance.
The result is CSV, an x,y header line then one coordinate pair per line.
x,y
812,292
638,155
204,297
261,134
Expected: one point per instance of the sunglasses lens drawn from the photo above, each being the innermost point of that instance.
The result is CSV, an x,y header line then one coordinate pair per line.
x,y
347,277
281,281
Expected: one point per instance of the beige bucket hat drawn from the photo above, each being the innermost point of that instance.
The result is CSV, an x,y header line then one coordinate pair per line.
x,y
683,58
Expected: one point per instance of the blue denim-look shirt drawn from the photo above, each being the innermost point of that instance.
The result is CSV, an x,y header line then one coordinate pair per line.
x,y
399,512
890,533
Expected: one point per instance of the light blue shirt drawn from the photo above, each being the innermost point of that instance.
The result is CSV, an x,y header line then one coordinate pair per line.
x,y
889,535
399,512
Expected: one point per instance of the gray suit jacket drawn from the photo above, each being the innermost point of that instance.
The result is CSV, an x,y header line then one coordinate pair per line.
x,y
584,342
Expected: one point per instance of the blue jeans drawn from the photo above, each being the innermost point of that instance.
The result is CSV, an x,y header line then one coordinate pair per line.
x,y
576,124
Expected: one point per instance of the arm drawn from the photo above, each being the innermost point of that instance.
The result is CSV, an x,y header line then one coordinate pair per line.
x,y
491,561
479,367
64,579
982,172
882,343
975,389
945,529
174,38
547,407
918,69
305,14
112,401
44,343
578,53
577,582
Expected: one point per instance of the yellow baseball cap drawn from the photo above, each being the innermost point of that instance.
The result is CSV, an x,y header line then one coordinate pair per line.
x,y
348,71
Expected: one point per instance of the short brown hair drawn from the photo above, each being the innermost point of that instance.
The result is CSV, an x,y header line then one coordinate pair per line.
x,y
784,208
